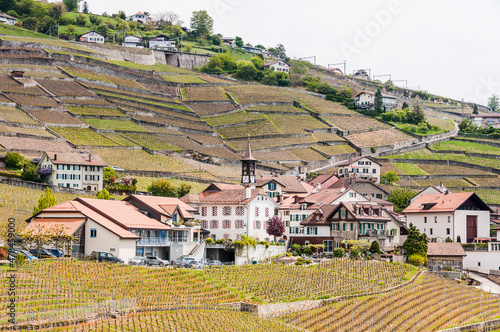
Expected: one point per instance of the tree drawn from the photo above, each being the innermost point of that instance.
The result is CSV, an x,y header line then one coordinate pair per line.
x,y
375,247
416,242
270,79
14,160
163,19
162,187
238,41
202,23
417,115
405,105
390,177
246,70
56,10
122,15
102,29
216,40
107,173
71,29
448,239
275,227
103,194
94,19
184,189
31,23
475,111
85,9
6,5
378,102
71,5
81,20
494,103
46,200
401,198
29,172
279,51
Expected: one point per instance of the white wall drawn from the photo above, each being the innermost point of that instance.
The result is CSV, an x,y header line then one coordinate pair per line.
x,y
259,253
490,260
108,242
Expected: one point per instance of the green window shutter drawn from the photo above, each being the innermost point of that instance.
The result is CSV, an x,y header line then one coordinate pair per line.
x,y
307,230
343,226
315,230
331,226
352,226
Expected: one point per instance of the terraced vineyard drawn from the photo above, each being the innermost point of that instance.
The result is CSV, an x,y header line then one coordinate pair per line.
x,y
83,136
296,124
278,109
378,138
65,88
122,125
469,147
333,150
432,304
215,93
29,100
96,111
47,116
233,118
246,130
265,143
150,141
11,114
209,109
143,182
93,76
355,123
183,79
250,94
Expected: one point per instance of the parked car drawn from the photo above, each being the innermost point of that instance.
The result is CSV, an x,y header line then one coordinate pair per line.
x,y
42,253
153,260
116,168
26,253
195,265
137,260
56,252
183,261
102,256
214,262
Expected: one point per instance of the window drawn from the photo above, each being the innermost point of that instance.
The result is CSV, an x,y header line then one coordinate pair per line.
x,y
76,167
374,171
93,232
60,167
267,212
352,226
449,218
271,186
448,231
238,224
425,220
214,224
361,162
435,219
239,210
204,211
343,226
204,224
226,211
214,210
256,211
68,167
75,185
430,231
328,246
226,224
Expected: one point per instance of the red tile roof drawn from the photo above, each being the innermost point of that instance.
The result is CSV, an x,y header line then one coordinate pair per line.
x,y
85,159
440,202
290,183
445,249
326,180
70,225
358,211
164,205
346,162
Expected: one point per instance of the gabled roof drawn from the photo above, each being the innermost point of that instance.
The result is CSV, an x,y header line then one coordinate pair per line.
x,y
89,32
445,202
357,210
8,16
326,180
70,225
445,249
362,92
164,205
156,38
270,63
346,162
290,183
68,158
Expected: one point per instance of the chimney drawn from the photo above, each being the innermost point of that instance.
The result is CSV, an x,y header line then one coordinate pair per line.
x,y
280,199
318,186
342,189
248,192
90,156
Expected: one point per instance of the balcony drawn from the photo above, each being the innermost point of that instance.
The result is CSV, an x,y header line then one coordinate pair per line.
x,y
154,241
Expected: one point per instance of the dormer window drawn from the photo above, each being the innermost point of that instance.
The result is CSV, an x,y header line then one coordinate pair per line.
x,y
303,206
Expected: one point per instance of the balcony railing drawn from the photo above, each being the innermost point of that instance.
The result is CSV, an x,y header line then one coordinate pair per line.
x,y
153,241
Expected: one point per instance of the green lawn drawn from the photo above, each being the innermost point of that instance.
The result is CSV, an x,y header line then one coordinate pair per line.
x,y
114,125
410,169
430,132
470,147
16,31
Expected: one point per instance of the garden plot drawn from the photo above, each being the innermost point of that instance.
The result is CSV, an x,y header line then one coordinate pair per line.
x,y
205,93
378,138
65,88
469,147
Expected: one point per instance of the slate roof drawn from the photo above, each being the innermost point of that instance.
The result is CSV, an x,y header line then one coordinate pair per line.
x,y
445,249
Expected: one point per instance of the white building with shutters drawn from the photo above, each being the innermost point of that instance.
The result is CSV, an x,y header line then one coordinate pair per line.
x,y
228,211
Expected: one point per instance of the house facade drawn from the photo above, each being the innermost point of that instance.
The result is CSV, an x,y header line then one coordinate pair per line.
x,y
7,19
278,66
486,119
463,217
275,185
140,18
389,102
445,256
364,99
162,42
365,168
91,37
133,41
74,170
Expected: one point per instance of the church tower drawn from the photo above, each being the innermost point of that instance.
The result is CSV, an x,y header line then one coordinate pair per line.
x,y
248,167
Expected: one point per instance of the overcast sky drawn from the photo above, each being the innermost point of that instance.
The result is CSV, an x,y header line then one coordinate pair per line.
x,y
446,47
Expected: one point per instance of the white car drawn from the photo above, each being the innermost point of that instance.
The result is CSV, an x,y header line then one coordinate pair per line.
x,y
116,168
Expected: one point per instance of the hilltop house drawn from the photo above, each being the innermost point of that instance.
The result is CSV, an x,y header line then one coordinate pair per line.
x,y
74,170
362,74
7,19
252,50
132,41
486,119
136,226
228,41
140,18
366,100
335,71
91,37
361,167
278,65
459,216
162,42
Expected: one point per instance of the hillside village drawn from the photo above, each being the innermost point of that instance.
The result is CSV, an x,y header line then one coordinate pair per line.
x,y
135,139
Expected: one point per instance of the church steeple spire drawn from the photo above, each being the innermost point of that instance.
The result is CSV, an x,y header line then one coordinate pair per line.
x,y
248,166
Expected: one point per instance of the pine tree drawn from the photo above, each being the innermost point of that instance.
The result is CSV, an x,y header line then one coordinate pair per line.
x,y
85,8
416,242
378,103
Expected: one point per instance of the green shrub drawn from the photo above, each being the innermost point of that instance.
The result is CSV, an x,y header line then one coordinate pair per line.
x,y
307,250
209,240
307,261
219,241
375,248
14,160
417,260
298,263
338,252
373,150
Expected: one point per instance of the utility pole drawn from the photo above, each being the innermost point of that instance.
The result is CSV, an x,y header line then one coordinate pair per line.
x,y
57,30
382,75
309,57
341,63
406,81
